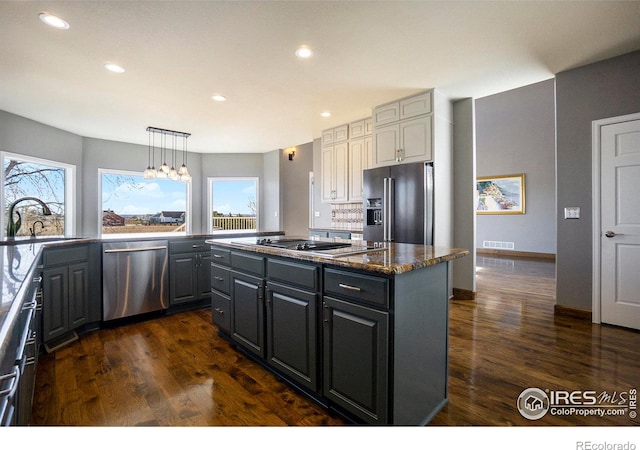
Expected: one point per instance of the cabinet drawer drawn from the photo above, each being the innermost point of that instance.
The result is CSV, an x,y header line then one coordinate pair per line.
x,y
415,106
303,275
220,308
190,245
220,278
355,286
221,256
248,263
65,255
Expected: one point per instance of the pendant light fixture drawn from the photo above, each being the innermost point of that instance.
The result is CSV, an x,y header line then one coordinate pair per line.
x,y
164,171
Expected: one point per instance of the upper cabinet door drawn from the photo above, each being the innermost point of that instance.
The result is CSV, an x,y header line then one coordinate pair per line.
x,y
388,113
356,129
415,138
356,166
328,137
386,143
341,133
415,106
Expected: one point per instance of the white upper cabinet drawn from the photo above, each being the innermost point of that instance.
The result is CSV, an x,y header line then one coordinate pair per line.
x,y
335,172
346,152
359,159
403,131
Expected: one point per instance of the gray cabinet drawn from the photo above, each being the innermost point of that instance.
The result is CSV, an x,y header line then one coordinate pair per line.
x,y
189,272
356,344
292,320
71,290
247,302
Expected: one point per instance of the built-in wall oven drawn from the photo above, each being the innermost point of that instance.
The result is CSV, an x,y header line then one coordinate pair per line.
x,y
135,278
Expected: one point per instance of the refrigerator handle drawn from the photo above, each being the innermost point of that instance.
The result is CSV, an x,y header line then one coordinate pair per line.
x,y
384,209
391,209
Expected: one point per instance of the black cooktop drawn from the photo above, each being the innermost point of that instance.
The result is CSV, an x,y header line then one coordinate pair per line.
x,y
301,244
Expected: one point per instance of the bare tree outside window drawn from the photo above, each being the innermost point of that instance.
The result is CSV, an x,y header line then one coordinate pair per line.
x,y
24,178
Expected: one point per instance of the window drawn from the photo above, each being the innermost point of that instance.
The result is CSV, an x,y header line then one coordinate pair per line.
x,y
49,181
132,205
233,204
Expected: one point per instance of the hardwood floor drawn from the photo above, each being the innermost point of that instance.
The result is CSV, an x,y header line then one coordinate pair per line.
x,y
176,370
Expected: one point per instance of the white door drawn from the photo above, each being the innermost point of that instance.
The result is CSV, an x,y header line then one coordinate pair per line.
x,y
618,229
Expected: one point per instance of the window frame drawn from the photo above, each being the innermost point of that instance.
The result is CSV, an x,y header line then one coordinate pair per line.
x,y
188,213
210,181
70,210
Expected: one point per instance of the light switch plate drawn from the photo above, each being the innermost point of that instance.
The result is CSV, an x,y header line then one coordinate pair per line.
x,y
572,212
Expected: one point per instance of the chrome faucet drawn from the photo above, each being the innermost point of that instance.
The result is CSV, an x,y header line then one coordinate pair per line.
x,y
13,227
33,230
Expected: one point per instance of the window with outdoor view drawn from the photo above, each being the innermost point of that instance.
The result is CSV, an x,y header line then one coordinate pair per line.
x,y
233,204
133,205
39,195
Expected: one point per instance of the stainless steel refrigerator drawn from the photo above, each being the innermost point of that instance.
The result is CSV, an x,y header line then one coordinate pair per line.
x,y
398,203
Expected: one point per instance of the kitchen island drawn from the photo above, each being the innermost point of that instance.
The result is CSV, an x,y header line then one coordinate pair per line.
x,y
362,330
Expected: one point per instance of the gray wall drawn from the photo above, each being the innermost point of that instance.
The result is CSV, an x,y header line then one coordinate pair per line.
x,y
271,193
464,175
515,133
27,137
295,189
605,89
233,165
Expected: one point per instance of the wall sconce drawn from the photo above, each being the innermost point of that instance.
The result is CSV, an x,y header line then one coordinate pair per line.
x,y
292,153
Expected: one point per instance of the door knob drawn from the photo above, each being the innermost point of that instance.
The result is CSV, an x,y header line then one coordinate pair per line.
x,y
609,234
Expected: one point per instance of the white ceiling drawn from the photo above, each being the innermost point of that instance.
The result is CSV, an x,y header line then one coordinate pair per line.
x,y
177,54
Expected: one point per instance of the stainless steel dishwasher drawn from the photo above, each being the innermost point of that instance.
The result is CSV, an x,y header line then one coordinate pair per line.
x,y
134,278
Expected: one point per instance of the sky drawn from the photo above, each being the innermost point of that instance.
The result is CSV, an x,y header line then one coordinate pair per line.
x,y
133,195
126,195
233,196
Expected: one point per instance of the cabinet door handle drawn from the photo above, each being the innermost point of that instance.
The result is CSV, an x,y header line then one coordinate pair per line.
x,y
268,296
325,307
349,287
219,311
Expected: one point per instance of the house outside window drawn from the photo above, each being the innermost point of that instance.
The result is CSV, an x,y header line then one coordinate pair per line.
x,y
233,204
134,206
51,182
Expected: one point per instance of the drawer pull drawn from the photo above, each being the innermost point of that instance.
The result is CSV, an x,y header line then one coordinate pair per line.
x,y
197,246
218,278
215,255
349,287
219,311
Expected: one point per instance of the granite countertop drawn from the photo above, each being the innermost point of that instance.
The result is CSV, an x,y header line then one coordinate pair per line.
x,y
392,259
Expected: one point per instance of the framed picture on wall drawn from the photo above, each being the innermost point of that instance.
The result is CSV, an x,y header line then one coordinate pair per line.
x,y
500,194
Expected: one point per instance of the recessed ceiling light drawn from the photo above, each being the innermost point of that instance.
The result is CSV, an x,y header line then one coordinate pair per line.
x,y
53,21
325,114
219,98
113,68
304,52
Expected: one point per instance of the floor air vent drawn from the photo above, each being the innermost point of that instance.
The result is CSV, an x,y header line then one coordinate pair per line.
x,y
499,245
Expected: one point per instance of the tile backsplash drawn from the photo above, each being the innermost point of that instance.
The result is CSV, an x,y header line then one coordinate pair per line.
x,y
347,216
